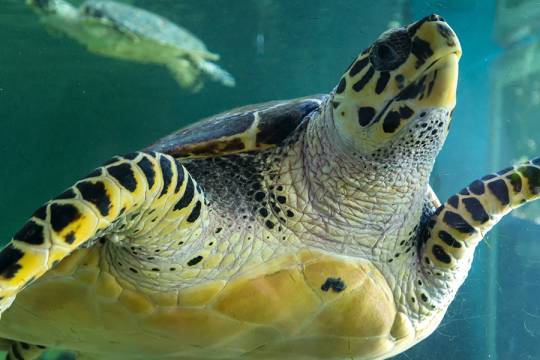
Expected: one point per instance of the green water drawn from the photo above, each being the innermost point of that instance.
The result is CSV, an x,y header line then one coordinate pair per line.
x,y
64,110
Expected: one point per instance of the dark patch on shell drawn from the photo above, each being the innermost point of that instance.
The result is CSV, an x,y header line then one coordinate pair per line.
x,y
221,134
336,284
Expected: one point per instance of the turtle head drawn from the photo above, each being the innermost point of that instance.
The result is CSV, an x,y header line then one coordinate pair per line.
x,y
400,91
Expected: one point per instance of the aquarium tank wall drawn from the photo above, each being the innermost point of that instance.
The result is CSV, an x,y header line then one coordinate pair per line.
x,y
64,110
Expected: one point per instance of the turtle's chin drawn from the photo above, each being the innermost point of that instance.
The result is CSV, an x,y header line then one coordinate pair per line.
x,y
417,144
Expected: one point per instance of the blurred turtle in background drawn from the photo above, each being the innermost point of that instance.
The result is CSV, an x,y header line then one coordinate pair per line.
x,y
125,32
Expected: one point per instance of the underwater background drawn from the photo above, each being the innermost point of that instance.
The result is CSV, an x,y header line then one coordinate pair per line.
x,y
64,110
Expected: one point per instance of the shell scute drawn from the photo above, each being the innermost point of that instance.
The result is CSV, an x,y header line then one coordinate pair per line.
x,y
252,128
281,299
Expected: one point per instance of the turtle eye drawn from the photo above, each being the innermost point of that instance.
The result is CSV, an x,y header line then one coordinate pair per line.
x,y
391,50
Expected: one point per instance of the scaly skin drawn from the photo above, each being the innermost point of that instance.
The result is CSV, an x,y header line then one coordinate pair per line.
x,y
327,245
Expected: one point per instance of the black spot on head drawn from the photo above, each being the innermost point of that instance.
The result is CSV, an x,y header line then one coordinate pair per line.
x,y
400,80
195,213
422,50
31,233
186,198
195,260
166,172
391,122
358,66
336,284
341,86
281,199
382,82
124,175
365,115
499,189
475,208
96,194
263,212
290,213
412,90
457,222
405,112
440,254
446,33
432,82
62,215
359,85
269,224
148,170
9,256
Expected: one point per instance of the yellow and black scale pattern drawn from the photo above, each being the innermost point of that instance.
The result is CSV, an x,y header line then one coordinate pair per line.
x,y
369,71
115,198
462,221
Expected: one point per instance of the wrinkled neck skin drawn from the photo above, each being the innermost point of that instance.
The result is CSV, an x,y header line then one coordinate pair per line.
x,y
365,203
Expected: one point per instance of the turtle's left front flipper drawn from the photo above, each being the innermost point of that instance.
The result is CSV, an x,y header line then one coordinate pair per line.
x,y
458,226
114,202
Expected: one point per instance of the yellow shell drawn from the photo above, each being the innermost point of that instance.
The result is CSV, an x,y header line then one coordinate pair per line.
x,y
273,311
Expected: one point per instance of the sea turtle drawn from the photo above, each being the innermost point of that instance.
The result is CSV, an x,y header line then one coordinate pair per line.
x,y
126,32
301,229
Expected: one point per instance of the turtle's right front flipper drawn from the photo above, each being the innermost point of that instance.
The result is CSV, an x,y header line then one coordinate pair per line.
x,y
109,201
457,226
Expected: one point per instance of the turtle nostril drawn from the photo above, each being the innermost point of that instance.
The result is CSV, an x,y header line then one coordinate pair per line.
x,y
384,52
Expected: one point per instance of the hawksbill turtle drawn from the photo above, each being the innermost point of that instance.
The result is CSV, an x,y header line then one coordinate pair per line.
x,y
126,32
300,229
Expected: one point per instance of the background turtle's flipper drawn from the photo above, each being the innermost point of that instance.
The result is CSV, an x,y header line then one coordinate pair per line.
x,y
186,74
111,201
216,73
457,226
21,350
